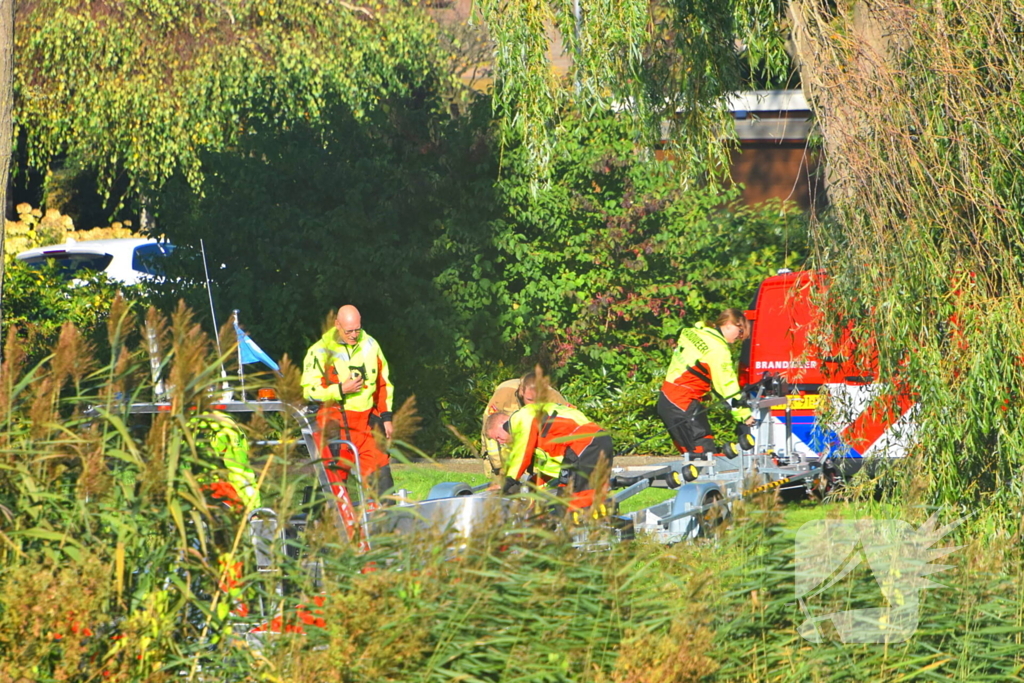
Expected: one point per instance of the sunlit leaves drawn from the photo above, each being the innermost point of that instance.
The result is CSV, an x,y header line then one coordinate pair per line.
x,y
919,106
665,65
145,87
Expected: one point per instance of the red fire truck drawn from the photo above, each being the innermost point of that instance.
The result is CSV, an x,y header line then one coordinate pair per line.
x,y
866,418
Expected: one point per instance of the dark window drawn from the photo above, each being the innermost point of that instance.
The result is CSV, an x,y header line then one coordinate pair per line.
x,y
149,258
71,265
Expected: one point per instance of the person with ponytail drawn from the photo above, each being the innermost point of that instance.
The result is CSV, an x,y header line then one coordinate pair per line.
x,y
702,365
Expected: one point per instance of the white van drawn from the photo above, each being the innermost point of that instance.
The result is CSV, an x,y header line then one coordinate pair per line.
x,y
129,260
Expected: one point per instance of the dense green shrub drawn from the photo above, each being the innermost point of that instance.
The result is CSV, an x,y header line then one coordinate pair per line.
x,y
38,302
594,274
466,283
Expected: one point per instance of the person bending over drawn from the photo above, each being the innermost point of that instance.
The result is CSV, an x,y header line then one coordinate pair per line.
x,y
702,364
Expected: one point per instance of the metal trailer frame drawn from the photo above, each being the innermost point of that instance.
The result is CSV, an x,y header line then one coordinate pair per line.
x,y
451,509
437,511
264,524
702,504
455,508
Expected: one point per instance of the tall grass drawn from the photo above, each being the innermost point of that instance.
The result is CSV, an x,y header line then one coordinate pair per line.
x,y
114,566
112,557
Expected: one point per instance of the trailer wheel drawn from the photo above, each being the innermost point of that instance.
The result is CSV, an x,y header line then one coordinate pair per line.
x,y
713,518
674,479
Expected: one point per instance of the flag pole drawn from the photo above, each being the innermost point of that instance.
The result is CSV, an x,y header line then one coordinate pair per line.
x,y
241,365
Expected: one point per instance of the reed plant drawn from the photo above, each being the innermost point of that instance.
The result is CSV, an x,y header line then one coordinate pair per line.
x,y
115,566
112,557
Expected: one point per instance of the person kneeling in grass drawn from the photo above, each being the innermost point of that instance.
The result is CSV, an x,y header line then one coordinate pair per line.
x,y
557,443
509,397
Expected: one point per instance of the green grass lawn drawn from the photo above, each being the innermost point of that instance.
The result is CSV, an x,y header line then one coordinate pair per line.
x,y
646,498
419,479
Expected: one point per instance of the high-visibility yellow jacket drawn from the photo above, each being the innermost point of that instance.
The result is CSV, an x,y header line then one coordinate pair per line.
x,y
506,400
219,432
332,361
547,429
702,363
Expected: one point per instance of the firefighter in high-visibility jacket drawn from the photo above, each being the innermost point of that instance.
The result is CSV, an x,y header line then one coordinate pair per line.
x,y
702,364
346,372
557,443
217,434
508,397
220,441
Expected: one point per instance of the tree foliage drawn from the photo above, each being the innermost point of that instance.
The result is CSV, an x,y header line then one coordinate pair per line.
x,y
595,273
668,65
330,171
144,87
918,106
466,283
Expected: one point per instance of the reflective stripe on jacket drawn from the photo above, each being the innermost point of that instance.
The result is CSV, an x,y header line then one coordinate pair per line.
x,y
702,363
549,428
330,357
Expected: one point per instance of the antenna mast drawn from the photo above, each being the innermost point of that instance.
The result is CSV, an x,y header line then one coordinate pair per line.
x,y
213,315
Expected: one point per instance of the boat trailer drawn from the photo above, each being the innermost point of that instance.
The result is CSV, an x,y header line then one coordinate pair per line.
x,y
453,512
456,510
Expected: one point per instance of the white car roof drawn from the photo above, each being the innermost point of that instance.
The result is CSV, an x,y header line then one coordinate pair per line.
x,y
115,257
88,247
